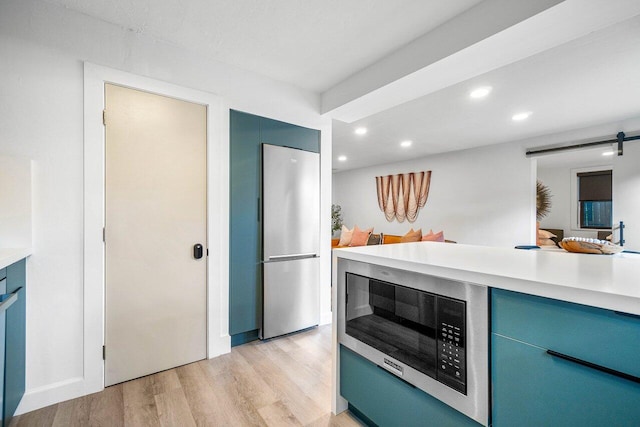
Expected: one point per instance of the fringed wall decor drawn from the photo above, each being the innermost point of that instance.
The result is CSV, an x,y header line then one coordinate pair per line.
x,y
401,196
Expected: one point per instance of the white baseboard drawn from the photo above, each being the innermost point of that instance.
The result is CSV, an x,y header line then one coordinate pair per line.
x,y
219,346
55,393
326,318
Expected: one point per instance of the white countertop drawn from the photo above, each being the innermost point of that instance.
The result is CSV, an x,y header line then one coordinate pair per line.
x,y
606,281
9,256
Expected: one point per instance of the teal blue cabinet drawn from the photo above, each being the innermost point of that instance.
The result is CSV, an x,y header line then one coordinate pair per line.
x,y
386,400
3,308
12,322
244,279
532,387
287,135
247,133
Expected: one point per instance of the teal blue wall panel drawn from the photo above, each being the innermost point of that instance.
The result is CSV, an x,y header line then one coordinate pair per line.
x,y
388,401
244,251
14,376
247,133
288,135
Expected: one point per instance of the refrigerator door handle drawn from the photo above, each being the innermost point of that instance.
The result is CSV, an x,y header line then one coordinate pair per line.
x,y
291,256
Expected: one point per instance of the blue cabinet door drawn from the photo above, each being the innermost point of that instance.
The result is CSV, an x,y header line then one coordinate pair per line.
x,y
532,388
244,249
600,336
3,290
14,375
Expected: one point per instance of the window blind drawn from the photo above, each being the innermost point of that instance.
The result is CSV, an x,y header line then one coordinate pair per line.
x,y
594,186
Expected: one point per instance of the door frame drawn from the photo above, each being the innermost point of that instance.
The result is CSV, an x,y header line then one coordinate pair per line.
x,y
218,339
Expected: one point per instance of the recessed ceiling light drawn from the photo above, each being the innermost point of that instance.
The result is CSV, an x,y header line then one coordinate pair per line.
x,y
406,144
342,158
361,131
521,116
480,92
608,153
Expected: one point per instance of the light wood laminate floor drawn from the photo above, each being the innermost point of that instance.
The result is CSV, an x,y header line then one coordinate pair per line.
x,y
282,382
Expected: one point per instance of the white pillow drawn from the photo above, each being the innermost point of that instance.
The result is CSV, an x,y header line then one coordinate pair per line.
x,y
547,242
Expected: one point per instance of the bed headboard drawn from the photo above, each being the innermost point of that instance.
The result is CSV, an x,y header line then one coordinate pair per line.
x,y
558,232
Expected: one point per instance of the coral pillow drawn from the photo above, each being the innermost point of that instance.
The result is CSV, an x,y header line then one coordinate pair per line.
x,y
345,236
412,236
360,237
433,237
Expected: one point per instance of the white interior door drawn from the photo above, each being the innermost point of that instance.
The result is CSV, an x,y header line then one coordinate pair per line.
x,y
155,214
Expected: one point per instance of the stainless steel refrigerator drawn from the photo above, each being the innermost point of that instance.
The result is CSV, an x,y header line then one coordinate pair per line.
x,y
290,240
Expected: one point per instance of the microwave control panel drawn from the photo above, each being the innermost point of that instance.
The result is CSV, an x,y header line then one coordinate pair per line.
x,y
450,337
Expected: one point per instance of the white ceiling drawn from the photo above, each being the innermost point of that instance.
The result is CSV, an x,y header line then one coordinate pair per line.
x,y
404,68
589,81
311,44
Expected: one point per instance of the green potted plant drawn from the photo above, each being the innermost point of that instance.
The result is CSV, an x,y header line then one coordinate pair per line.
x,y
336,218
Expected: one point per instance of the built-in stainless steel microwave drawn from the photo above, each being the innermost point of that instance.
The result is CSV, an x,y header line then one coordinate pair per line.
x,y
431,332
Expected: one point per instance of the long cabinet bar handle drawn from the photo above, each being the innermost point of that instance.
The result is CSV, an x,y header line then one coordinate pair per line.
x,y
8,300
600,368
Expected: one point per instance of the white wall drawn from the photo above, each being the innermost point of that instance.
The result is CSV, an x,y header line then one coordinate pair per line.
x,y
43,48
479,196
15,202
626,194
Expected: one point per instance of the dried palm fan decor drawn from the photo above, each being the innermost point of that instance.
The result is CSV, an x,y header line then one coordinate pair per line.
x,y
401,196
543,200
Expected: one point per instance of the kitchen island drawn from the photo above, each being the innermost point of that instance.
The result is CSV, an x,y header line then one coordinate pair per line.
x,y
564,335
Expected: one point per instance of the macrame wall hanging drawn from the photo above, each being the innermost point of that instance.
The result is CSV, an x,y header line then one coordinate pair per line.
x,y
401,196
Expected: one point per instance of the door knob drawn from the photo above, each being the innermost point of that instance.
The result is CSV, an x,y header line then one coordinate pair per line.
x,y
197,251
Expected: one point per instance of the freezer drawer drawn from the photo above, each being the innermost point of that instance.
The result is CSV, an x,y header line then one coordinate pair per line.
x,y
291,296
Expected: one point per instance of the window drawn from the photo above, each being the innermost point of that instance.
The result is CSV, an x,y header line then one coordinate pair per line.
x,y
594,199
